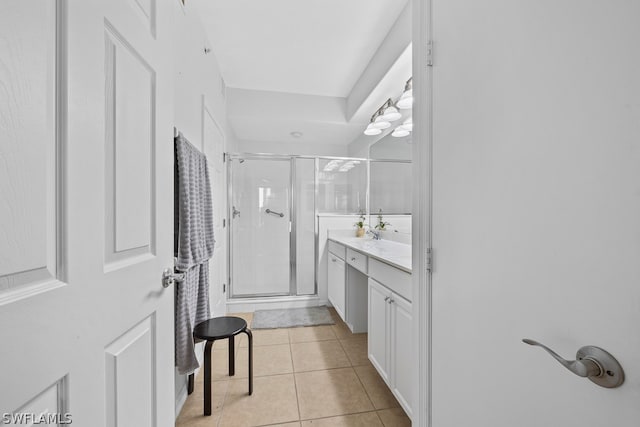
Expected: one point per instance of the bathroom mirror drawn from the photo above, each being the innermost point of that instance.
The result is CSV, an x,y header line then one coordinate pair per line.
x,y
391,148
342,185
390,176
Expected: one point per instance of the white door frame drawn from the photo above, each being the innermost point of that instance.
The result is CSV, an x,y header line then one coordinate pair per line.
x,y
221,237
421,219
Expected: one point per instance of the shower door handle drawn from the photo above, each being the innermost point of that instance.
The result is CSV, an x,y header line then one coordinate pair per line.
x,y
269,211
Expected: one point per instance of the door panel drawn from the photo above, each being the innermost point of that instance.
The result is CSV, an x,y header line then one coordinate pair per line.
x,y
535,209
28,165
129,120
129,384
89,114
378,328
336,284
261,240
403,371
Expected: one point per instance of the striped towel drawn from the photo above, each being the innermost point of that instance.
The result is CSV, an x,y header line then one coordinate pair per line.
x,y
194,243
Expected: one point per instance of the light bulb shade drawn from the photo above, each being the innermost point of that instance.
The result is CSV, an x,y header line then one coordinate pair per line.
x,y
372,131
380,123
399,133
407,125
391,114
406,100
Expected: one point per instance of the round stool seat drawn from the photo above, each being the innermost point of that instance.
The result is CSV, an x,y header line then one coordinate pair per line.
x,y
219,328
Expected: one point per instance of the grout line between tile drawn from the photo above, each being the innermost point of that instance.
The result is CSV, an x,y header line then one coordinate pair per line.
x,y
378,416
340,415
365,389
344,415
345,352
359,379
323,369
295,383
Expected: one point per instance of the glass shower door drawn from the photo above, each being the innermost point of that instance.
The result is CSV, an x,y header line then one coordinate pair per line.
x,y
260,227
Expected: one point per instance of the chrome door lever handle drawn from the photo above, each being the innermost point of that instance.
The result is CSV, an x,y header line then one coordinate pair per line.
x,y
582,368
591,362
169,277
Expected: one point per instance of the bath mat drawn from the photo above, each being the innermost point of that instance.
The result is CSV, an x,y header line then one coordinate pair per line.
x,y
291,317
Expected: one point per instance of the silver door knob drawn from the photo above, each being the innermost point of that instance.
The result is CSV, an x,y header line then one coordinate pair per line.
x,y
591,362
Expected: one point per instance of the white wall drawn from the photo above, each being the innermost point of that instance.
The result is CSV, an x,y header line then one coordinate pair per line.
x,y
536,207
197,82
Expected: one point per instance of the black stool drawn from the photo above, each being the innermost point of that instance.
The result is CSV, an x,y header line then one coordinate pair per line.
x,y
220,328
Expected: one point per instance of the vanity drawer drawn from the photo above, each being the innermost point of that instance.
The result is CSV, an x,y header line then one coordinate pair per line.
x,y
357,260
337,249
393,278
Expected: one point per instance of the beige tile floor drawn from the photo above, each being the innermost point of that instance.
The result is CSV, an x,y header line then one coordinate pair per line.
x,y
317,376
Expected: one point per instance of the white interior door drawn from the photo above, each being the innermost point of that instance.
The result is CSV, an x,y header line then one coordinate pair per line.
x,y
213,141
536,208
86,178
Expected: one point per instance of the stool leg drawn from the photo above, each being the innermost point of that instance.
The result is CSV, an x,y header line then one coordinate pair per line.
x,y
250,336
207,378
232,358
190,384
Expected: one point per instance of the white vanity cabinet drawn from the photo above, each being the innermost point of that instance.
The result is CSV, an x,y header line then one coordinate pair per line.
x,y
390,340
401,340
371,290
378,338
336,279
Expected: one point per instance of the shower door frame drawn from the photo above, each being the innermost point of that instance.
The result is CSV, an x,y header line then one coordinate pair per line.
x,y
248,156
292,216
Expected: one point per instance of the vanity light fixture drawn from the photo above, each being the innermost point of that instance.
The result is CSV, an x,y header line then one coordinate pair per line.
x,y
376,124
371,131
389,111
407,124
381,123
399,132
406,99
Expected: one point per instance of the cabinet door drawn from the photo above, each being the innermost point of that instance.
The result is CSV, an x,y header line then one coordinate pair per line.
x,y
378,320
402,363
336,285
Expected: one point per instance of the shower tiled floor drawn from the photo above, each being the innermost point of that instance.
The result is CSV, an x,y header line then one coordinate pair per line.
x,y
313,376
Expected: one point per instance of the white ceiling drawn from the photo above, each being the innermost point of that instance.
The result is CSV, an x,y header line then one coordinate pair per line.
x,y
314,47
320,67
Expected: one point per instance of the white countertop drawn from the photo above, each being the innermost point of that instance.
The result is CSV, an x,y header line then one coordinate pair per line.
x,y
393,253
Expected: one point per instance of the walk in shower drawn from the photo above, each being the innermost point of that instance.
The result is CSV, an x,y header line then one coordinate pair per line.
x,y
274,203
272,225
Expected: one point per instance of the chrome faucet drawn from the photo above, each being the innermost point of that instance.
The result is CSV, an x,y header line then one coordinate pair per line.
x,y
375,233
